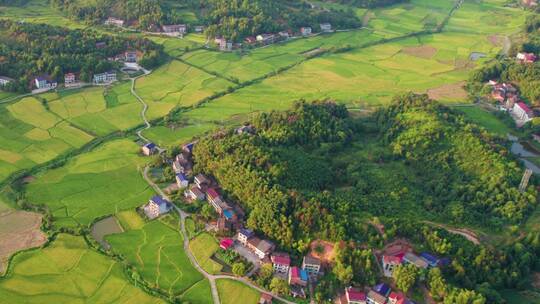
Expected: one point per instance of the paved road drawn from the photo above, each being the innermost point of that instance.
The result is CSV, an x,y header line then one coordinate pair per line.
x,y
145,106
211,277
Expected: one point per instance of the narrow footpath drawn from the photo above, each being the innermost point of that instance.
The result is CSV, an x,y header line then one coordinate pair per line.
x,y
145,106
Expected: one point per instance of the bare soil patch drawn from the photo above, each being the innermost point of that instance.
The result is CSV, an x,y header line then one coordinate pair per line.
x,y
424,51
19,230
536,280
322,250
496,40
448,91
397,246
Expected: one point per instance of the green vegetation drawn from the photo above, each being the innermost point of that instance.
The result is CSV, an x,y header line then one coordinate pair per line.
x,y
203,247
67,271
101,182
231,292
485,119
156,251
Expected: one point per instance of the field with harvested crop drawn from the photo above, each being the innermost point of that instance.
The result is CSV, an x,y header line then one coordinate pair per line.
x,y
156,250
103,181
68,272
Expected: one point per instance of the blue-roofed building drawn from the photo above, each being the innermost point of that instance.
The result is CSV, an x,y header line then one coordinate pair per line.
x,y
156,207
303,275
149,149
228,214
244,235
188,148
430,259
181,180
382,289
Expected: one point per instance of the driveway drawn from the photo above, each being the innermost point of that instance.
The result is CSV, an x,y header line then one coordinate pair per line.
x,y
248,255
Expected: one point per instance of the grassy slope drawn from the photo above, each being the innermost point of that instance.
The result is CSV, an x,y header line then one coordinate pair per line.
x,y
94,184
157,252
485,119
68,272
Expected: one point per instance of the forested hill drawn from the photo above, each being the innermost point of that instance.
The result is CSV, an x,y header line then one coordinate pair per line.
x,y
297,181
368,3
463,169
28,50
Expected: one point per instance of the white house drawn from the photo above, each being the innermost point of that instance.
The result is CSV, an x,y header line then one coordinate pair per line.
x,y
264,248
389,263
106,77
201,180
69,79
178,167
156,207
305,31
114,21
175,29
44,82
148,149
522,111
194,194
181,180
5,80
326,27
311,265
244,235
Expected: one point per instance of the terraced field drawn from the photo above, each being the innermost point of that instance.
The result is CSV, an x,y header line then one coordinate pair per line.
x,y
156,250
68,272
103,181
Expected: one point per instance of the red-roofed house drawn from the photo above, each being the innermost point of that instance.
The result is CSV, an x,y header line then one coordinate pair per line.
x,y
355,296
265,298
396,298
280,262
390,262
297,276
226,243
522,111
526,57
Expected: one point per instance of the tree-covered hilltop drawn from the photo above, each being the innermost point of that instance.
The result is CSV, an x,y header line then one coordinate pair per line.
x,y
369,3
315,172
465,172
28,50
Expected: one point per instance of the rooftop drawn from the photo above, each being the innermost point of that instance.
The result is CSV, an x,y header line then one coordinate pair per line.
x,y
311,260
159,200
281,259
355,294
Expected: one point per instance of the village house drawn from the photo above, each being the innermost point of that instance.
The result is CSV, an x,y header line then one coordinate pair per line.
x,y
266,298
284,34
305,31
245,130
201,181
382,289
216,201
149,149
100,45
280,262
526,57
178,167
311,265
390,262
354,296
44,82
156,207
244,235
326,27
199,29
396,298
105,78
430,259
188,148
522,111
411,258
69,79
194,193
374,297
226,243
175,29
298,276
130,56
181,180
114,22
4,80
260,247
250,40
266,38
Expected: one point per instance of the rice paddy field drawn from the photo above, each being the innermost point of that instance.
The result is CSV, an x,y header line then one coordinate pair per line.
x,y
68,272
156,250
30,135
37,11
203,247
177,84
97,110
101,182
231,292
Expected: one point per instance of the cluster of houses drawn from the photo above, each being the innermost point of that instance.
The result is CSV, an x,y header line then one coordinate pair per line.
x,y
508,97
379,294
4,80
268,38
526,57
173,30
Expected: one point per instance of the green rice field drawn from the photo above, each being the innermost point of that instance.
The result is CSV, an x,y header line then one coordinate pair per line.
x,y
68,272
101,182
231,292
156,250
203,247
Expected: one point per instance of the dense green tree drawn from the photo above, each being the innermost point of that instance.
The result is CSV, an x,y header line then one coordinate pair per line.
x,y
279,286
405,276
239,269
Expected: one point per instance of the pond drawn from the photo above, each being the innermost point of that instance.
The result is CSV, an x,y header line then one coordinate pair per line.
x,y
103,228
476,55
522,150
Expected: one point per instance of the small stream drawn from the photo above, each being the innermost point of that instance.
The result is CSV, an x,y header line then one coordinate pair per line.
x,y
520,150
